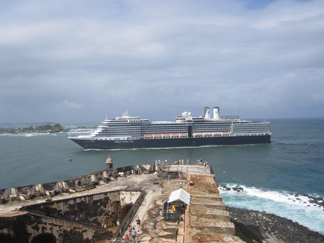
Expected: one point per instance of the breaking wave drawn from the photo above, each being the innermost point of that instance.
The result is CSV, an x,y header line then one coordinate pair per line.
x,y
307,210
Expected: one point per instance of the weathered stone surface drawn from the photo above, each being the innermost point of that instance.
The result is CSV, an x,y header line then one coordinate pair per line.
x,y
205,201
198,237
24,228
75,202
173,185
211,225
207,180
93,209
68,220
209,212
206,219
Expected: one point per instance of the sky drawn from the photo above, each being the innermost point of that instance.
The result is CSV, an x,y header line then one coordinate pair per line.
x,y
82,61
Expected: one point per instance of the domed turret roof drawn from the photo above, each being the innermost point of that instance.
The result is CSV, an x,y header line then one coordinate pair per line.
x,y
109,160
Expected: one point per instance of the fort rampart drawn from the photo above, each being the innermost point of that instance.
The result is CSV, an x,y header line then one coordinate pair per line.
x,y
82,217
81,183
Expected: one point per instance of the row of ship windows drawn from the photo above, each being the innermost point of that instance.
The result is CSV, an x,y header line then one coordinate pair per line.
x,y
141,134
177,126
150,131
184,128
167,128
198,129
200,136
250,130
162,127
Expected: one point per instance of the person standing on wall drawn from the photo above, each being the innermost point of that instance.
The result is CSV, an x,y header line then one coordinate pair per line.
x,y
138,222
130,230
133,233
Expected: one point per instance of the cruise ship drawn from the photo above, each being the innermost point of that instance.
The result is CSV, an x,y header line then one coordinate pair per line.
x,y
129,132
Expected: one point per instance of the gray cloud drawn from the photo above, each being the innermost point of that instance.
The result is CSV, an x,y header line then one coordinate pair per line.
x,y
66,61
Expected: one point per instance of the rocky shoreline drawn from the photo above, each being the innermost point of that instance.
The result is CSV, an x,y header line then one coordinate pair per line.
x,y
280,229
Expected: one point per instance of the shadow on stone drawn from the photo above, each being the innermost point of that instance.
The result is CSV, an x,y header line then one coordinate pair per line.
x,y
248,233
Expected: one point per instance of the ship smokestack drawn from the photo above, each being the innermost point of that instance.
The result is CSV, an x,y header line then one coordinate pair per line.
x,y
216,115
206,113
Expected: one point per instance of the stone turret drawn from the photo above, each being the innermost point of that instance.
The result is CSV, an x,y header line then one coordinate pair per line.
x,y
109,163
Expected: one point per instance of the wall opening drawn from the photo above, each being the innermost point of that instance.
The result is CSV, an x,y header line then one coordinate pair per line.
x,y
125,210
44,238
6,239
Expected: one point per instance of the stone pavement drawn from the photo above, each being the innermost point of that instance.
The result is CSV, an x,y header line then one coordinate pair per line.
x,y
154,191
205,220
154,228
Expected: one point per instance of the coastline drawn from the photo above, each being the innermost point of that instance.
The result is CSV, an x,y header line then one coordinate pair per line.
x,y
281,229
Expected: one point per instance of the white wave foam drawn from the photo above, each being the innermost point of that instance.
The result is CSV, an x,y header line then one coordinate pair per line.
x,y
275,196
5,134
81,131
287,205
33,134
22,134
93,150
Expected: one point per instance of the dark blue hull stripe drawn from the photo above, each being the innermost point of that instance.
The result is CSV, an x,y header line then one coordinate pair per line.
x,y
169,143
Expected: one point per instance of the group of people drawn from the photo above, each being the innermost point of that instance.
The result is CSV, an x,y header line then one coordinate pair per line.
x,y
139,171
132,230
166,161
179,162
158,162
200,162
182,162
104,226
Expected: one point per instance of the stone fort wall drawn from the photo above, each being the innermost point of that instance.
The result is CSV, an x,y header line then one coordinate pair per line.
x,y
81,183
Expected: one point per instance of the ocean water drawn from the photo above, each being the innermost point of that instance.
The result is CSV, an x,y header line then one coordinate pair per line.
x,y
278,178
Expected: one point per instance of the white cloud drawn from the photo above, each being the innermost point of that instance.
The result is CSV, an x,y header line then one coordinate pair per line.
x,y
71,105
172,55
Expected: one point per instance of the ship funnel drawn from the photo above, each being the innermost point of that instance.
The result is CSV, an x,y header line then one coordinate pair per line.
x,y
216,115
206,113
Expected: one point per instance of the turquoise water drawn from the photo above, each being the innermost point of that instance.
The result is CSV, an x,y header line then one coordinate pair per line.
x,y
271,174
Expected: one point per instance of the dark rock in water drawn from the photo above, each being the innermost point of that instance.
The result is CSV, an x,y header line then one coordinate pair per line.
x,y
284,230
238,189
235,188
